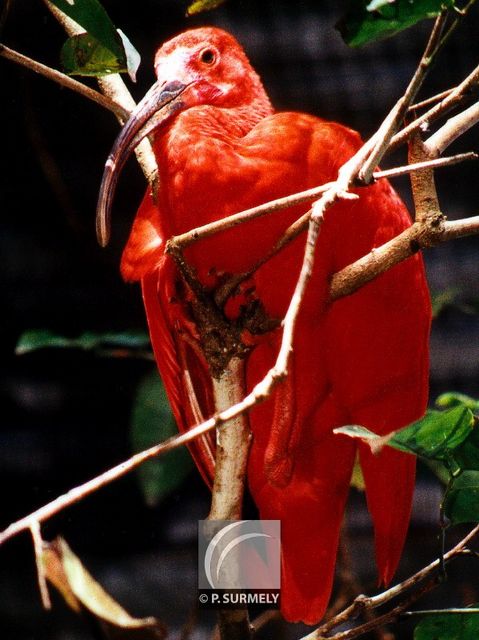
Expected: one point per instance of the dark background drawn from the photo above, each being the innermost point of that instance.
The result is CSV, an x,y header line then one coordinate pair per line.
x,y
65,414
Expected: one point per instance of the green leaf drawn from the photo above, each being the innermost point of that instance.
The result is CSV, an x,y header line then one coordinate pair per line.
x,y
455,399
83,55
124,342
102,49
133,58
466,456
461,501
450,626
81,591
436,435
357,431
90,15
453,298
367,21
442,300
203,5
152,422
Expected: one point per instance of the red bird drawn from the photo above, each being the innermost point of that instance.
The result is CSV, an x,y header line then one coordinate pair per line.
x,y
363,359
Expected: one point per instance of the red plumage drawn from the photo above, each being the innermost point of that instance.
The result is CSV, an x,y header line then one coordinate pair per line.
x,y
360,360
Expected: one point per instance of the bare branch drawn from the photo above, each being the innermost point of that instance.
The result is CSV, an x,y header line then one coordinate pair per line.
x,y
452,129
396,115
434,163
185,239
426,202
396,590
232,445
454,98
428,101
416,237
78,493
64,81
198,233
453,229
362,603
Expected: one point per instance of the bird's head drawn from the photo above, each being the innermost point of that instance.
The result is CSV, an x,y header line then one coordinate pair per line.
x,y
204,66
214,67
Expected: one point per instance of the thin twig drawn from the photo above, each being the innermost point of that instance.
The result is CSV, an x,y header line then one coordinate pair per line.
x,y
64,81
441,612
396,590
386,618
361,603
426,164
205,231
89,487
454,97
432,100
396,115
452,129
460,15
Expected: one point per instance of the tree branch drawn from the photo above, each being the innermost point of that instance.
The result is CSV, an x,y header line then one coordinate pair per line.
x,y
396,115
233,441
232,446
424,121
183,240
65,81
452,129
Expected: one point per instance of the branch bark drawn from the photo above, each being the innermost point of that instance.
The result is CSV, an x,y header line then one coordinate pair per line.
x,y
232,447
65,81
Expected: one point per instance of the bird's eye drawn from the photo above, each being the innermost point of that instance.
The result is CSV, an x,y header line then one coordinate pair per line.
x,y
208,56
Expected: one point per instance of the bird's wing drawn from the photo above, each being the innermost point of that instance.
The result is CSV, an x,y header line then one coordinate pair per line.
x,y
182,368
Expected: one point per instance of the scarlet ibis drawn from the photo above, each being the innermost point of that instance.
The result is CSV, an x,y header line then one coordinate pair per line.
x,y
363,359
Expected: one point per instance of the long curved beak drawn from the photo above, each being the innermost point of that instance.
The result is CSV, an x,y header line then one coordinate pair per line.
x,y
157,106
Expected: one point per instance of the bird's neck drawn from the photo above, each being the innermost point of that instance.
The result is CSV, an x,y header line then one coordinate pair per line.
x,y
218,122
